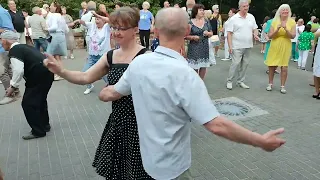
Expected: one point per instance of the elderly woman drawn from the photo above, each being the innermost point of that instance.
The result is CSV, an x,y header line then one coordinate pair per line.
x,y
69,35
198,48
83,9
145,24
282,30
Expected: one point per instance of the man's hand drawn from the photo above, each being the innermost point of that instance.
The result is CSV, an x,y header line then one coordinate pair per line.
x,y
270,140
230,51
9,91
52,64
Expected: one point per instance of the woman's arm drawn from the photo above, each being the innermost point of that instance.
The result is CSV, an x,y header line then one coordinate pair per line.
x,y
106,19
291,32
93,74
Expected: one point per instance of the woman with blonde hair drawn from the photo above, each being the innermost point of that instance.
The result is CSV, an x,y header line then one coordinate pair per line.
x,y
282,30
208,15
69,36
216,25
145,24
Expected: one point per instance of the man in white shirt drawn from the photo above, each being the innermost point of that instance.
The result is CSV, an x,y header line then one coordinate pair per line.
x,y
241,29
165,101
88,17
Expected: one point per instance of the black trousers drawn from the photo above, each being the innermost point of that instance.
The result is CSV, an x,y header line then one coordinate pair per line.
x,y
144,37
35,106
315,50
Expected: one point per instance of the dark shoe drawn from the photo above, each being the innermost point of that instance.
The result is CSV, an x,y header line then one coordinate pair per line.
x,y
47,128
311,85
316,96
31,136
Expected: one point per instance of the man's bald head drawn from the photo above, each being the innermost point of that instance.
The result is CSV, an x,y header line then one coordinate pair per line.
x,y
172,22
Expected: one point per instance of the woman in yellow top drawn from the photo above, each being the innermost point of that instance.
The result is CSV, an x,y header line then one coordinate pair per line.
x,y
282,30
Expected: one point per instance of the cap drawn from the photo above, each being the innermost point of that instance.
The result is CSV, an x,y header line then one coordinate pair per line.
x,y
9,35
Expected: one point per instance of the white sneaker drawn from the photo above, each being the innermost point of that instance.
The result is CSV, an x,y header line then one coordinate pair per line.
x,y
269,87
7,100
217,55
243,85
229,85
88,90
0,82
283,90
225,59
71,57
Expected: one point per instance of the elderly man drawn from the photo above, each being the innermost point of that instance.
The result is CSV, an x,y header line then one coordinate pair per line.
x,y
18,20
5,70
26,62
165,101
39,29
241,28
88,17
166,4
312,19
190,4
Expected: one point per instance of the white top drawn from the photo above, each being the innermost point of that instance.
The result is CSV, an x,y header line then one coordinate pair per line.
x,y
165,103
29,29
242,29
17,67
299,30
88,17
99,39
225,26
56,23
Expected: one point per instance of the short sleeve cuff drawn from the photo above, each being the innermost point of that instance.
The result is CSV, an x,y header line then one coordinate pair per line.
x,y
121,89
210,114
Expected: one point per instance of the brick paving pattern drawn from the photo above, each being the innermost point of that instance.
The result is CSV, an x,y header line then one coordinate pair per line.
x,y
78,120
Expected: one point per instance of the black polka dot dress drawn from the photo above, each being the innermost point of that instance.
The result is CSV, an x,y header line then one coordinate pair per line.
x,y
118,154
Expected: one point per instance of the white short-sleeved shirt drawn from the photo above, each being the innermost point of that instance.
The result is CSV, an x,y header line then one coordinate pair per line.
x,y
299,30
167,95
242,29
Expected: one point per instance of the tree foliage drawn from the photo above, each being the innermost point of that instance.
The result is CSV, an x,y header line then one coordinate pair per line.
x,y
259,8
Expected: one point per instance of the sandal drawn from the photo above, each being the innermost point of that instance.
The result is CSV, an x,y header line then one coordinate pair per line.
x,y
316,96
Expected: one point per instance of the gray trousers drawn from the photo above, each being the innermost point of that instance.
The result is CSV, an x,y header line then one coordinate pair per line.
x,y
240,62
5,70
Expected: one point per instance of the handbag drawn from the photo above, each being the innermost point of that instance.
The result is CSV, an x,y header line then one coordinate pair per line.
x,y
214,38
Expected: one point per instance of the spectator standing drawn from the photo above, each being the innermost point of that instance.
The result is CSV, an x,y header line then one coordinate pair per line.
x,y
69,35
83,9
28,36
18,21
145,24
40,30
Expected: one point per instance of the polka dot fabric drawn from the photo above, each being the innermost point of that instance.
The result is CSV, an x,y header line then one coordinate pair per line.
x,y
118,154
305,39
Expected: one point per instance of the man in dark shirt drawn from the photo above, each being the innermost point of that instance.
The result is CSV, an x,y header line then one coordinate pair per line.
x,y
27,63
18,20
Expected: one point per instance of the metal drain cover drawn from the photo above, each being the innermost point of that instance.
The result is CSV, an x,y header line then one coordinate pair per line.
x,y
234,108
229,108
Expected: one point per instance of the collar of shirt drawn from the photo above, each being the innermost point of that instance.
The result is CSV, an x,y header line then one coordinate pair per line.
x,y
12,45
171,53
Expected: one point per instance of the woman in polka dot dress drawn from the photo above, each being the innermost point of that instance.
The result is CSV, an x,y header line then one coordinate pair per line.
x,y
305,41
118,154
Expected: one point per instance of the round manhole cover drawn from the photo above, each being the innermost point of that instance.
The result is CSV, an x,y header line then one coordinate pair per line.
x,y
230,108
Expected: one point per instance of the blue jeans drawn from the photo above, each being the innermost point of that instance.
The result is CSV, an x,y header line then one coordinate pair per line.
x,y
42,42
92,60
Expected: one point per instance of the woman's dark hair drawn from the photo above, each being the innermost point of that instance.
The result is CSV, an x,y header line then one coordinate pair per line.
x,y
195,9
307,28
316,20
273,13
101,13
234,10
266,19
58,7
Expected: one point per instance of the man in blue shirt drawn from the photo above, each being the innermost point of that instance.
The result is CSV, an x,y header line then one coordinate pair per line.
x,y
5,76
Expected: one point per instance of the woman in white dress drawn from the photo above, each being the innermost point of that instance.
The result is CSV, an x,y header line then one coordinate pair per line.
x,y
316,69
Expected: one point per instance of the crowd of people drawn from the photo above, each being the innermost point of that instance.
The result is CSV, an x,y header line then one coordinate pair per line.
x,y
147,135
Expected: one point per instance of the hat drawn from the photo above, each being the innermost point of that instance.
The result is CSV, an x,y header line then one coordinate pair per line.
x,y
9,35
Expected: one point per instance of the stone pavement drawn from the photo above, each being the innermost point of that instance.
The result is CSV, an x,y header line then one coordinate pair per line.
x,y
78,120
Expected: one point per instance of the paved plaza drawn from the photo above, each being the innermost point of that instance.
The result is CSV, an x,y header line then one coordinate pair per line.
x,y
78,121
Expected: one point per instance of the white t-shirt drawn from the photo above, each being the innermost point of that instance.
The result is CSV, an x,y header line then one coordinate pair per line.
x,y
29,29
242,29
225,28
299,30
99,39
